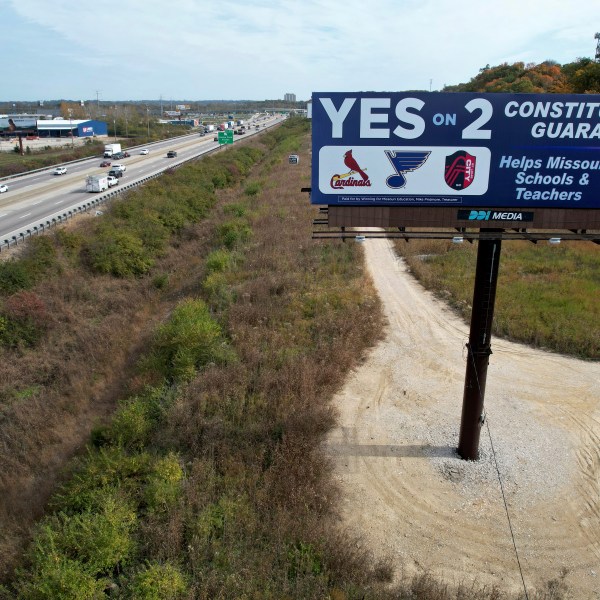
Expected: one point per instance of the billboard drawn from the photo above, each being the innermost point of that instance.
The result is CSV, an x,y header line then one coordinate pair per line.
x,y
17,123
456,150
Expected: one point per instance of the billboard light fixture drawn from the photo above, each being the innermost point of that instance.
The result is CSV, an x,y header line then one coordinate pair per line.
x,y
554,241
458,239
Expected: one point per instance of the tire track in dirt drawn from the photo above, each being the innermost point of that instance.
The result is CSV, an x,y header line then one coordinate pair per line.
x,y
408,495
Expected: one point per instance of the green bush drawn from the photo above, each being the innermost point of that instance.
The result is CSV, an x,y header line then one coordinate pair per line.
x,y
234,232
158,582
219,260
164,484
132,424
99,540
218,290
101,473
189,340
14,276
40,256
60,578
161,281
252,188
118,253
18,334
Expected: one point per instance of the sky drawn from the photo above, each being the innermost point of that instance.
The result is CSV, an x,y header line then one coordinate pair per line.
x,y
262,49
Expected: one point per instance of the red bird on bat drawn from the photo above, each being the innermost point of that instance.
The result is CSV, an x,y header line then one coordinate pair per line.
x,y
351,163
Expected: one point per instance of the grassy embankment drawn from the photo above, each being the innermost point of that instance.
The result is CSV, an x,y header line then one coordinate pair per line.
x,y
547,296
194,336
208,481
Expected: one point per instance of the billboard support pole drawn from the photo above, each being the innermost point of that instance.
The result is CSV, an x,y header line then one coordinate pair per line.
x,y
479,346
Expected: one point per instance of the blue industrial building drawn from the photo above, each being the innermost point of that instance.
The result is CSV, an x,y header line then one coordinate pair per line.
x,y
71,127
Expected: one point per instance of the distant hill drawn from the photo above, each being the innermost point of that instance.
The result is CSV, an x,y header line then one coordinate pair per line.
x,y
579,77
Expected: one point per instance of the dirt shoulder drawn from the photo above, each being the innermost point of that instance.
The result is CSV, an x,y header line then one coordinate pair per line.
x,y
408,495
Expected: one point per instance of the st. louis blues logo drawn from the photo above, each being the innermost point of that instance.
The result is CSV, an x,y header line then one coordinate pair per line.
x,y
460,170
403,162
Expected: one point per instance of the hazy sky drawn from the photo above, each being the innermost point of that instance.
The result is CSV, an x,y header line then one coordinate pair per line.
x,y
262,49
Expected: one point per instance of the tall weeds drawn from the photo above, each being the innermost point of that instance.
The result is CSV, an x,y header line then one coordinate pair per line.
x,y
203,402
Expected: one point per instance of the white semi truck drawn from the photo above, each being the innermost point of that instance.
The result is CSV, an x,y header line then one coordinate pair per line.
x,y
96,183
110,149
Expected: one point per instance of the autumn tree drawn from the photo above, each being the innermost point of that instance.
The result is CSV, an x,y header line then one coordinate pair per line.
x,y
583,76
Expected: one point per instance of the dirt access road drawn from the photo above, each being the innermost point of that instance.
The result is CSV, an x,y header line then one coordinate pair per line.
x,y
408,495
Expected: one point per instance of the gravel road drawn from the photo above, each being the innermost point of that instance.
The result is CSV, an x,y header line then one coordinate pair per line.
x,y
409,496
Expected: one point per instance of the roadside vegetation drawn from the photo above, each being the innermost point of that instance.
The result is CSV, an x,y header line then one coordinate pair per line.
x,y
547,296
165,387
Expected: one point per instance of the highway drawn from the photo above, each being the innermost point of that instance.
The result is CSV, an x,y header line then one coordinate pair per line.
x,y
34,198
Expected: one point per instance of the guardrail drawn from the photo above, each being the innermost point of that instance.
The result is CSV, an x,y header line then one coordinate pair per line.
x,y
93,157
37,227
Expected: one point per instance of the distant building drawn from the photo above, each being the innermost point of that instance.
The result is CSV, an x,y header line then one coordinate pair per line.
x,y
289,98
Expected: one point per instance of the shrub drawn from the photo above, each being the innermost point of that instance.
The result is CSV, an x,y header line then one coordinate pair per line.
x,y
14,276
234,232
102,472
164,484
118,253
99,539
39,256
189,340
161,281
27,307
158,582
60,578
24,320
219,260
252,188
132,424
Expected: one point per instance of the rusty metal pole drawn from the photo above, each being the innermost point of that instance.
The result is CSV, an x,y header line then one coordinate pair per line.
x,y
479,346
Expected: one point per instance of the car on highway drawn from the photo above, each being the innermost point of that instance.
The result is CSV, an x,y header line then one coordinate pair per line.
x,y
171,154
112,180
126,155
118,167
216,138
105,163
3,188
144,151
60,170
115,173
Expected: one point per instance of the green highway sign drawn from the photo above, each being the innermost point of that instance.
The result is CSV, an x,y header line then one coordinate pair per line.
x,y
225,137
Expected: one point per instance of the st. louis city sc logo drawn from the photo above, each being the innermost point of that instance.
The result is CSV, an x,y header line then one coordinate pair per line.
x,y
348,179
404,162
460,170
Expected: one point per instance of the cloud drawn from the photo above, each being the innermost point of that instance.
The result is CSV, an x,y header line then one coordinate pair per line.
x,y
262,49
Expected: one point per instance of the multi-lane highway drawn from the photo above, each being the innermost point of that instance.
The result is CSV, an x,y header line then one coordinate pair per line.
x,y
36,197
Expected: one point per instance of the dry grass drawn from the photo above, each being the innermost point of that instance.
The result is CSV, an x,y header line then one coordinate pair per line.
x,y
255,514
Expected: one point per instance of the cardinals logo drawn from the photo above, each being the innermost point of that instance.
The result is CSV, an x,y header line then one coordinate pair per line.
x,y
347,179
403,162
460,170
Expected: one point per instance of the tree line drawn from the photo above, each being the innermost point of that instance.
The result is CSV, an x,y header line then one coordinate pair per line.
x,y
579,77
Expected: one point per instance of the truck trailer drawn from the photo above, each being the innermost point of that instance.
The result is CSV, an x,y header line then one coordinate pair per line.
x,y
110,149
96,183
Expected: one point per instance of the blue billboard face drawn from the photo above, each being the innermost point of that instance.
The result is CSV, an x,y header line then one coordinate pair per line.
x,y
456,149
